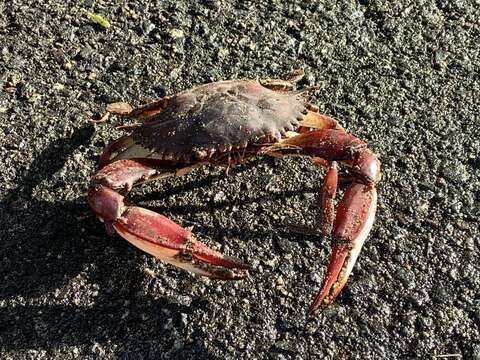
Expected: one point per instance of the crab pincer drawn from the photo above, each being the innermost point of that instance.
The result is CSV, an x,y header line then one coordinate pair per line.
x,y
226,123
355,214
161,237
151,232
354,220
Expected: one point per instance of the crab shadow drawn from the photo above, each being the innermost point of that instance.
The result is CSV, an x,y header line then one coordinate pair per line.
x,y
48,249
51,248
294,232
44,236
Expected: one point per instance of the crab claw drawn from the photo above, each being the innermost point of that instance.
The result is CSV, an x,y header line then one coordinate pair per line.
x,y
353,222
163,238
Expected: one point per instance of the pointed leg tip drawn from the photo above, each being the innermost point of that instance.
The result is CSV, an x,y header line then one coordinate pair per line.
x,y
312,314
319,303
236,263
207,255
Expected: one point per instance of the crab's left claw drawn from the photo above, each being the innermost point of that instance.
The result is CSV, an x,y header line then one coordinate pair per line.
x,y
162,237
353,222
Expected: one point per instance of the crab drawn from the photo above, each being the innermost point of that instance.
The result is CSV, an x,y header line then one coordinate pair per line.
x,y
225,123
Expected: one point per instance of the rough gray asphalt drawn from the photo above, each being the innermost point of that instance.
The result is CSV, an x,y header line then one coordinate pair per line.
x,y
404,77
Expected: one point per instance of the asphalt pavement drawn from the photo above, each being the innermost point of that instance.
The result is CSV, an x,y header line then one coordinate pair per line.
x,y
403,76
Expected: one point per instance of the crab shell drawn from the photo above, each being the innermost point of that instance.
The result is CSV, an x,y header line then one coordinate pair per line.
x,y
217,117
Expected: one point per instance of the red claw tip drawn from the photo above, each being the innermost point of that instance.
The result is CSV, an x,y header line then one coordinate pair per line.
x,y
334,280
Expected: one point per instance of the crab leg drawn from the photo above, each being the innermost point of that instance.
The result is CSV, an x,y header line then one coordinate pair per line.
x,y
354,220
143,111
356,211
112,148
315,120
327,198
152,232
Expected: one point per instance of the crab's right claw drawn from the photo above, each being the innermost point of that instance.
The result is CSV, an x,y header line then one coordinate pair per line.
x,y
163,238
353,222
